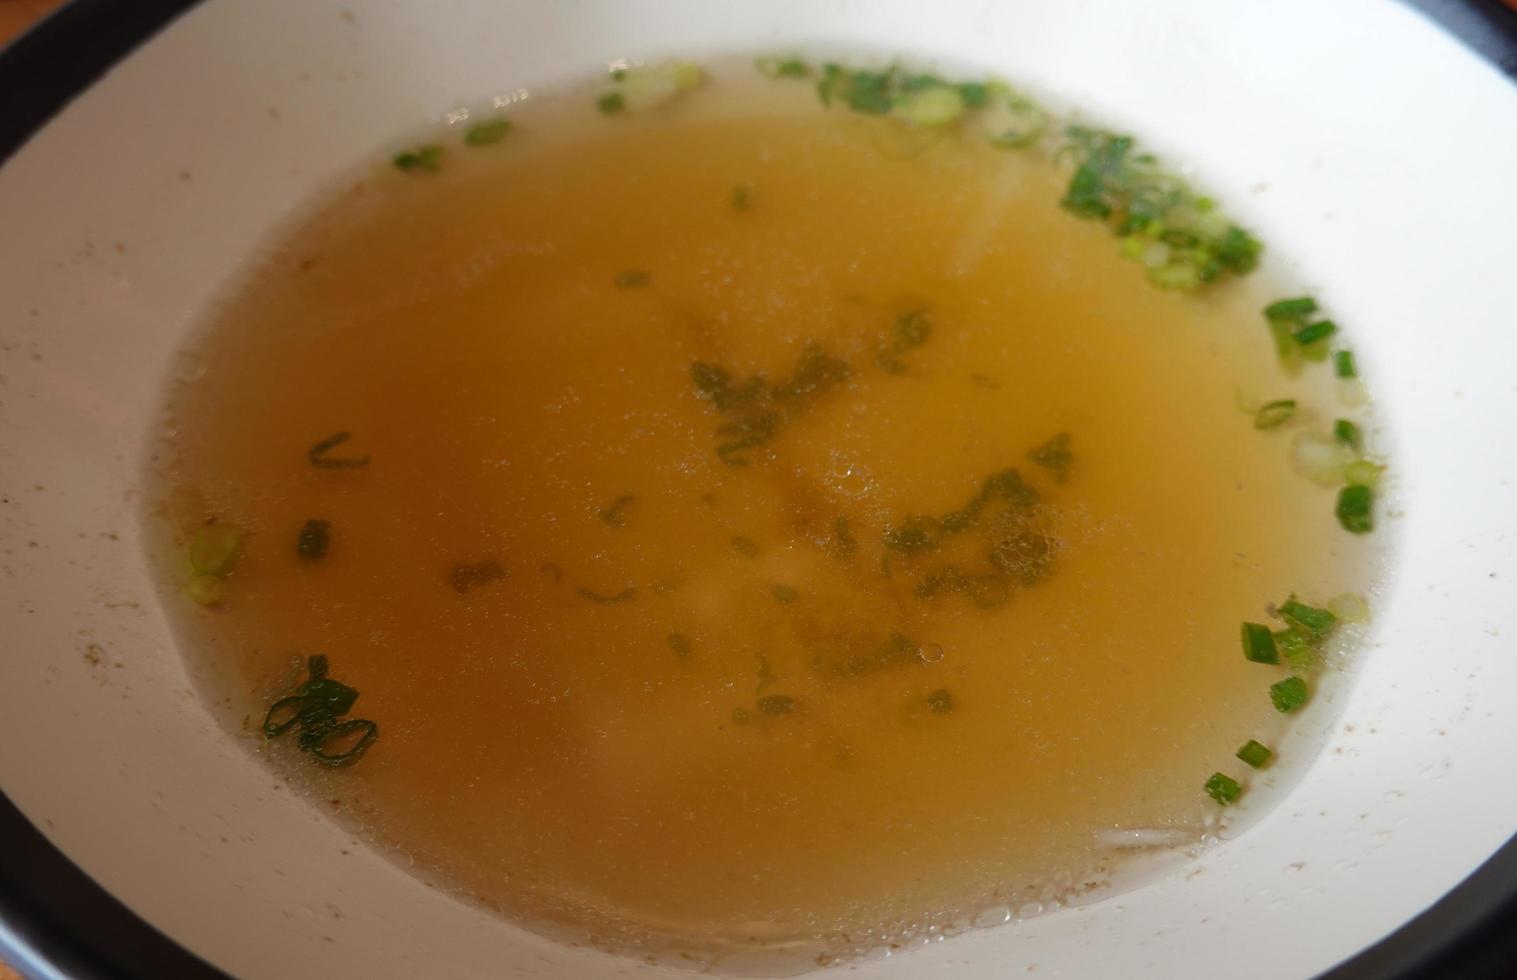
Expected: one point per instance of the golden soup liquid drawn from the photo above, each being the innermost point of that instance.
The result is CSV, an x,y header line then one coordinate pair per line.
x,y
780,528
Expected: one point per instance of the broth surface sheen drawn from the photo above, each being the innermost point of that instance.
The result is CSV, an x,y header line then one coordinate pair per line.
x,y
844,681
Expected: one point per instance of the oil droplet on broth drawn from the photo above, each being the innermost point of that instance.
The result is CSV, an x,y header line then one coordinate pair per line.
x,y
639,731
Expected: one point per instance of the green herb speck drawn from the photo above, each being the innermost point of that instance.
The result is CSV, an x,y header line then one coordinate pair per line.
x,y
1254,754
312,541
423,159
625,595
1223,788
471,575
317,454
784,594
1289,694
486,133
315,709
940,701
1356,509
776,704
1054,456
1259,644
615,513
1275,414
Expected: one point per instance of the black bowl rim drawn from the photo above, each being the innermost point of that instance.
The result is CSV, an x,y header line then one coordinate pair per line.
x,y
55,921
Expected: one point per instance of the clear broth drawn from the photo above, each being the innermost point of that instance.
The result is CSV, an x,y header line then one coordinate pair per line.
x,y
565,761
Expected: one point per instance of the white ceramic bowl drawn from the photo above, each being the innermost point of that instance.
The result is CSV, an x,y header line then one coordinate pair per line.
x,y
1369,149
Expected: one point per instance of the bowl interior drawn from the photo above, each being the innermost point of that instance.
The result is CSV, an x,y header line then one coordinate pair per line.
x,y
128,214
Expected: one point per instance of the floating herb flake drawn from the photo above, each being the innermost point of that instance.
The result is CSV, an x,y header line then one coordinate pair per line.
x,y
422,159
625,595
214,549
471,575
909,331
776,704
615,513
317,454
755,409
1259,644
1223,788
1254,754
1288,695
1274,414
1054,456
487,133
1316,624
314,538
315,709
1355,509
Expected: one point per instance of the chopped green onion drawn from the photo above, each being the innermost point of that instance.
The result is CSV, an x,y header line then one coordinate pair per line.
x,y
1313,339
314,709
1363,473
311,543
1288,695
1291,309
783,68
1315,333
1348,434
317,454
423,159
936,106
1316,623
1350,607
1321,458
643,87
1254,754
974,94
625,595
1287,351
1296,650
744,546
213,549
1223,788
940,701
1355,509
1054,455
1274,414
471,575
776,704
205,589
485,133
1343,364
615,513
1259,644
